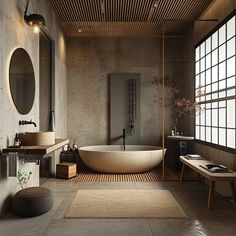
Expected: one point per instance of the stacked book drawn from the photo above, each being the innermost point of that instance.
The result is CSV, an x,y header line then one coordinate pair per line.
x,y
215,168
193,157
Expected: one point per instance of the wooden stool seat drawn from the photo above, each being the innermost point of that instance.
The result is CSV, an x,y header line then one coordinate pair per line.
x,y
66,170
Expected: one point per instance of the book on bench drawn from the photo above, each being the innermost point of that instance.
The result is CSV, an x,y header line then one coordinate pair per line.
x,y
215,168
193,157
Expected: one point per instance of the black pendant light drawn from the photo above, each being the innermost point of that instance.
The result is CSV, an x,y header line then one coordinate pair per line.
x,y
36,21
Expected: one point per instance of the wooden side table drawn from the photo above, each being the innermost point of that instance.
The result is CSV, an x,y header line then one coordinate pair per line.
x,y
212,177
66,170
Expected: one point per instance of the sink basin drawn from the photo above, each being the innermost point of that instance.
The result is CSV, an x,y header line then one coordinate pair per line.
x,y
180,137
40,138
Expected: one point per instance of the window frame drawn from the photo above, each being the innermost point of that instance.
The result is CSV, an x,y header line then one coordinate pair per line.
x,y
204,71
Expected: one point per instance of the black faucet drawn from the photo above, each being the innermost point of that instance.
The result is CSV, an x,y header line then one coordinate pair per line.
x,y
123,137
25,122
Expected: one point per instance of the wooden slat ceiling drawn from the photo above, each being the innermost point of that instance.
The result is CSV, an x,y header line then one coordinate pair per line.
x,y
127,18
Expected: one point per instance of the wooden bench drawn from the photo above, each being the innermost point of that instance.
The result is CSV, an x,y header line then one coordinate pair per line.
x,y
212,177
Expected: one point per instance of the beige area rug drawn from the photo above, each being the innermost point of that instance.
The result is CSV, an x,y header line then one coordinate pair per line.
x,y
136,204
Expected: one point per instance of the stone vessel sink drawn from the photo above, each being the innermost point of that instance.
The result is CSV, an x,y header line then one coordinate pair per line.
x,y
40,138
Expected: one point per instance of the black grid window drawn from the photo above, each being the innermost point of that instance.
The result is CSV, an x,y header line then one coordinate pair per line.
x,y
215,86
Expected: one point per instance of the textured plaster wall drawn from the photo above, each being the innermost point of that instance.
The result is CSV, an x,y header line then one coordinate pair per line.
x,y
15,33
89,63
218,10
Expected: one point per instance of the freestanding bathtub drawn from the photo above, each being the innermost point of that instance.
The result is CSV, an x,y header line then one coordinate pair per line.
x,y
113,159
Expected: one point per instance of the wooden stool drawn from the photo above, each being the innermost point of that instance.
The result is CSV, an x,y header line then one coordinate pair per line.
x,y
66,170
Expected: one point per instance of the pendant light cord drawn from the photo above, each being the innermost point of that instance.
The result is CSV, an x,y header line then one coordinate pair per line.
x,y
26,7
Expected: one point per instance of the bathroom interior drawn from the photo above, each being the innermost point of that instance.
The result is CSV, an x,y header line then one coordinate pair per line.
x,y
118,90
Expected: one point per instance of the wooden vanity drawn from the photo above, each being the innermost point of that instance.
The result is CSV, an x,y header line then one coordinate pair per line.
x,y
38,150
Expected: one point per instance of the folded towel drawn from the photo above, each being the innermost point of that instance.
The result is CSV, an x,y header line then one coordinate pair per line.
x,y
12,164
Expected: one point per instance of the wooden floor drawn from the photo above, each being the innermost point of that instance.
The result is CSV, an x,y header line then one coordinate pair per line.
x,y
84,174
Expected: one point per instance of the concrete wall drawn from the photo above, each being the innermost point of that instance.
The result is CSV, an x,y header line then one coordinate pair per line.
x,y
15,33
89,62
218,10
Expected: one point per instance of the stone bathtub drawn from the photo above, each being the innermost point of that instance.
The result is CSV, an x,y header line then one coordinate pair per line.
x,y
113,159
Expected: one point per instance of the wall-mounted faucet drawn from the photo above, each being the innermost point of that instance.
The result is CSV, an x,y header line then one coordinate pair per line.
x,y
25,122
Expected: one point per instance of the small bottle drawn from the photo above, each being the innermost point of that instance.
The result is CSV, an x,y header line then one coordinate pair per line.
x,y
16,141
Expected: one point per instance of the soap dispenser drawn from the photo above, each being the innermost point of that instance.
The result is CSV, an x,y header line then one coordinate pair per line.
x,y
16,141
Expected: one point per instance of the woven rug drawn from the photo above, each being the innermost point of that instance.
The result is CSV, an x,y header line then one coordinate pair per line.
x,y
87,175
133,204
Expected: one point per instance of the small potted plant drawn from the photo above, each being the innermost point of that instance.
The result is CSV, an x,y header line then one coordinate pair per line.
x,y
23,178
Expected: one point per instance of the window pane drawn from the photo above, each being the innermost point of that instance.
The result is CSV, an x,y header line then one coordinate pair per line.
x,y
222,34
231,28
203,79
215,135
208,61
215,117
202,64
222,104
222,71
222,137
197,81
231,113
214,87
208,117
222,116
197,119
202,118
197,68
208,134
208,45
208,76
197,132
197,53
202,48
222,94
214,40
222,84
231,67
214,95
231,138
222,53
208,89
214,57
208,97
202,133
208,105
230,92
231,47
214,73
231,82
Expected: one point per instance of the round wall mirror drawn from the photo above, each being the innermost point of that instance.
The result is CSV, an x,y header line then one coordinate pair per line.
x,y
22,81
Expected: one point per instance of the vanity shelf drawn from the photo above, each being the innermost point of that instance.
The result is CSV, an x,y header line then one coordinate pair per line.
x,y
41,150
